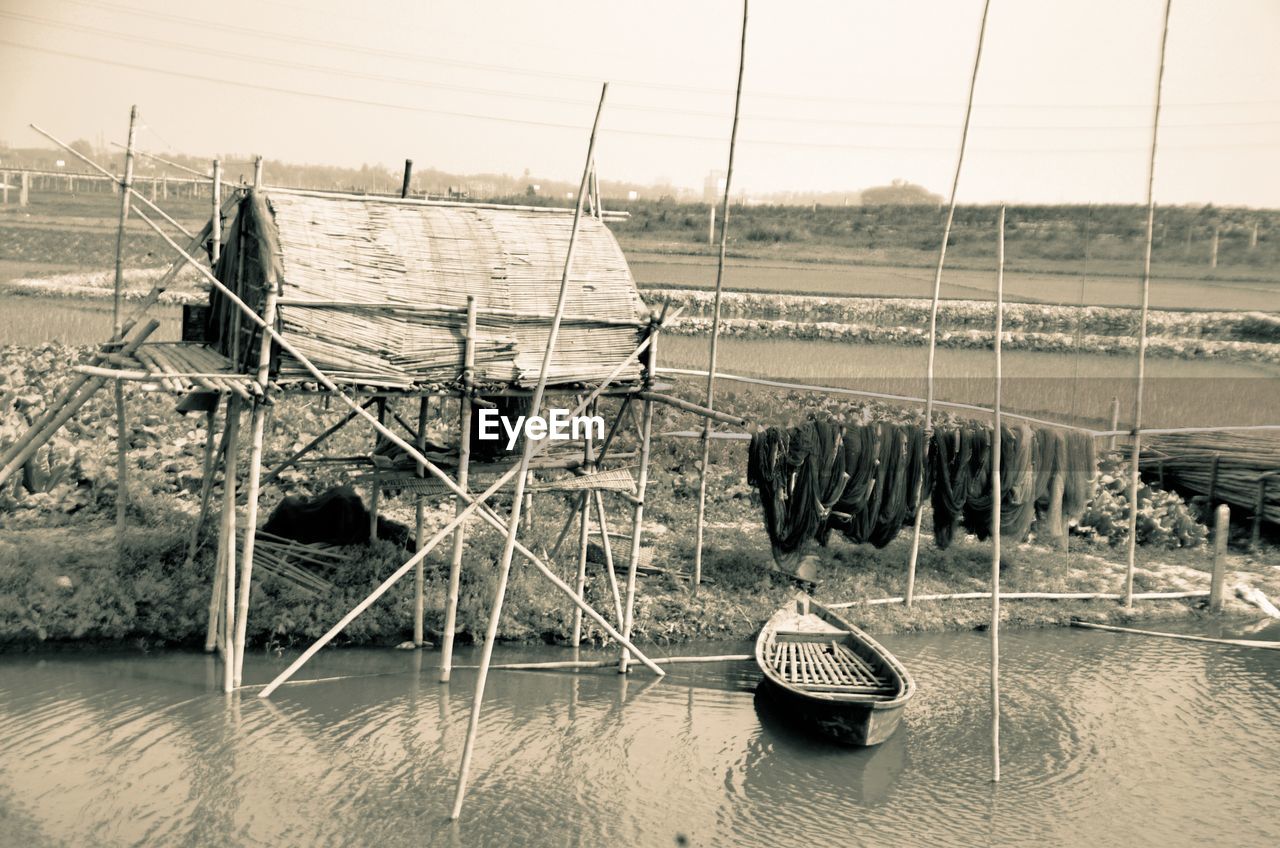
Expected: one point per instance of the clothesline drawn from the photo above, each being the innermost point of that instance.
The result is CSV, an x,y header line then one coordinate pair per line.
x,y
1097,434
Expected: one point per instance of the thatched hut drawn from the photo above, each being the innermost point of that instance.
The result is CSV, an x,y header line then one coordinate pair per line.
x,y
374,290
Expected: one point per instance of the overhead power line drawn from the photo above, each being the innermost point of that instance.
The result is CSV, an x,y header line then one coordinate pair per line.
x,y
567,126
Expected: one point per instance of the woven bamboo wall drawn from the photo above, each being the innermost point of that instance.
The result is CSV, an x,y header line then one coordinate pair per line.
x,y
375,292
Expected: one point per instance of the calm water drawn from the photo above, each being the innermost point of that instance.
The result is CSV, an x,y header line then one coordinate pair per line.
x,y
1108,740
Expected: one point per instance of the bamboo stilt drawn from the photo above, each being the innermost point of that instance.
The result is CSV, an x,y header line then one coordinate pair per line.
x,y
464,471
215,223
504,566
419,579
229,543
206,487
637,514
996,491
258,428
933,309
700,525
607,547
375,495
584,535
1136,452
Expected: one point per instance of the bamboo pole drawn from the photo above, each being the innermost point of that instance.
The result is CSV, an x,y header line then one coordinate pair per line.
x,y
637,513
122,424
1136,451
1221,525
933,309
375,494
607,547
1186,637
215,223
1027,596
700,525
408,177
475,504
315,443
206,489
513,528
419,521
556,665
995,508
464,472
584,537
229,543
258,427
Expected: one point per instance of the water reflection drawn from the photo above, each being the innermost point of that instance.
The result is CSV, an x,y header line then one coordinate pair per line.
x,y
1107,739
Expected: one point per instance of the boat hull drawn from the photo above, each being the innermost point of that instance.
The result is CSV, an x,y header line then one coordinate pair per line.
x,y
849,723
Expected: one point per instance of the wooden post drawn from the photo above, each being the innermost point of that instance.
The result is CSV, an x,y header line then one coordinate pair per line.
x,y
715,326
419,520
933,309
4,186
1115,422
1213,247
24,190
1058,530
122,424
508,550
1253,235
1259,510
227,543
1221,527
257,172
258,428
215,223
464,469
996,491
1136,452
375,494
408,176
637,513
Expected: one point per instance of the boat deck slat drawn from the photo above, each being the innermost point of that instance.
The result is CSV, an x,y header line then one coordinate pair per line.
x,y
827,666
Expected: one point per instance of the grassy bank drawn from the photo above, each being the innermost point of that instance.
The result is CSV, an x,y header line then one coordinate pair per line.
x,y
63,579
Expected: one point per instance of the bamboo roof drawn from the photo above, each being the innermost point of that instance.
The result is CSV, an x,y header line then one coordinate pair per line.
x,y
374,290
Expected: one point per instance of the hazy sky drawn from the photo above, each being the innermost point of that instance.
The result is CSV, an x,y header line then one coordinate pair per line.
x,y
839,94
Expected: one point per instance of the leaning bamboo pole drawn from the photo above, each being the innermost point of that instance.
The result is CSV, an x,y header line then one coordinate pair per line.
x,y
995,507
715,315
933,309
517,498
1027,596
1135,452
584,533
206,485
122,424
477,504
464,472
51,422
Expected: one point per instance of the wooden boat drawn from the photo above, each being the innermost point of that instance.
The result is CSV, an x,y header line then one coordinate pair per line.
x,y
832,676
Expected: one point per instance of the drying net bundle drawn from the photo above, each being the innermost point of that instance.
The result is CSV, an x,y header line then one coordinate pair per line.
x,y
860,480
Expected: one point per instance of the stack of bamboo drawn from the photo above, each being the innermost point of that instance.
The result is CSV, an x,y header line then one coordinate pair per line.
x,y
296,563
1239,469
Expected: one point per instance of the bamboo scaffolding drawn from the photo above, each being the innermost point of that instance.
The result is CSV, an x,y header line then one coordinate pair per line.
x,y
517,498
314,443
700,526
933,309
1135,452
464,473
476,504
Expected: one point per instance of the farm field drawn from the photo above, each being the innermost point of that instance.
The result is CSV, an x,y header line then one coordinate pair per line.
x,y
31,321
1059,387
655,272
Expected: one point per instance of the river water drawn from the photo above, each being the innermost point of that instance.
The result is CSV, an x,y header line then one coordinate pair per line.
x,y
1107,740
